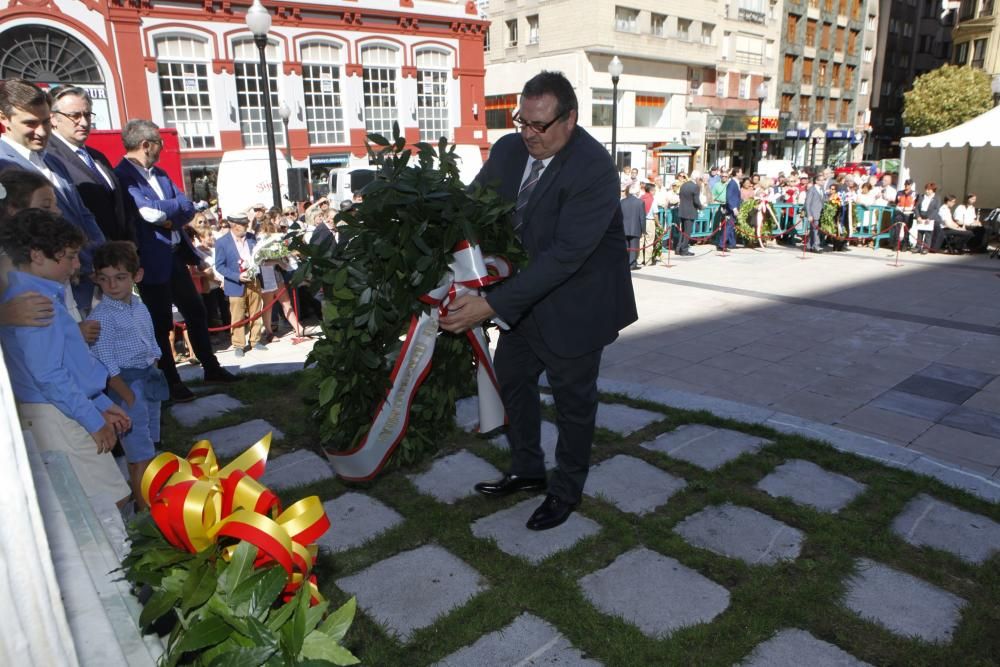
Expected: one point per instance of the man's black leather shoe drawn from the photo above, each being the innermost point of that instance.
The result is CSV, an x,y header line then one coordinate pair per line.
x,y
509,484
179,393
551,513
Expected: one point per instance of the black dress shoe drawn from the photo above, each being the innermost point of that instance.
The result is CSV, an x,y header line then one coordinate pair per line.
x,y
220,376
551,513
179,393
686,253
509,484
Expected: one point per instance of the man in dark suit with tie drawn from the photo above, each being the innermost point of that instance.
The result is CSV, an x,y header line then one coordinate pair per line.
x,y
89,170
727,236
567,304
160,211
634,223
687,209
26,117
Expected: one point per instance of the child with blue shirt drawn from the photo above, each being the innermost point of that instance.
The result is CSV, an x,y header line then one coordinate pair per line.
x,y
127,347
58,384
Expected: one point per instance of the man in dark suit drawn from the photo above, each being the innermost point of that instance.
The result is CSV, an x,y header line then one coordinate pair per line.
x,y
160,211
727,235
687,209
89,169
567,304
634,223
26,117
815,199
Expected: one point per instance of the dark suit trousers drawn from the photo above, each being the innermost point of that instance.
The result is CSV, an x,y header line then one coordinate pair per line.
x,y
684,235
520,358
632,244
181,292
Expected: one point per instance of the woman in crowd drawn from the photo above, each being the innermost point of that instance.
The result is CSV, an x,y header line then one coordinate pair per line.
x,y
967,215
925,219
952,234
273,280
747,189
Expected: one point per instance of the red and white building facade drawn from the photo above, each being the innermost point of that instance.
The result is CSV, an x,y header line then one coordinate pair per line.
x,y
342,69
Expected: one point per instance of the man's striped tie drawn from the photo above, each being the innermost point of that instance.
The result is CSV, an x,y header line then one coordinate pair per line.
x,y
524,194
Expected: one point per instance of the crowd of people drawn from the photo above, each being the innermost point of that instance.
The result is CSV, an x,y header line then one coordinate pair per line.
x,y
932,223
100,263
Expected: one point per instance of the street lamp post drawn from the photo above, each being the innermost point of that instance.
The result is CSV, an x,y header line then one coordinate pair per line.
x,y
615,69
715,124
761,96
285,113
995,89
259,22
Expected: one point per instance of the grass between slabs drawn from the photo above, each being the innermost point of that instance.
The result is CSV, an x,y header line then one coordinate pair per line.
x,y
803,593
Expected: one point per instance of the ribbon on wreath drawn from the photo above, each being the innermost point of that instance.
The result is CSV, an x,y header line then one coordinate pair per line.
x,y
467,273
193,502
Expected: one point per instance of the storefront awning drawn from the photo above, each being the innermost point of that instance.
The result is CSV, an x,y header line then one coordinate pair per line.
x,y
675,148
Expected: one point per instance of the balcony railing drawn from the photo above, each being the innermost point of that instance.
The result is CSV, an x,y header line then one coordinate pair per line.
x,y
751,16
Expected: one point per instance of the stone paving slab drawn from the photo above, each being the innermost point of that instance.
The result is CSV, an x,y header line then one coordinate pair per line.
x,y
655,593
797,648
806,483
233,440
902,603
549,439
355,518
411,590
958,375
982,422
928,522
204,407
621,419
705,446
467,413
295,469
941,390
507,528
913,405
743,533
527,641
631,484
452,477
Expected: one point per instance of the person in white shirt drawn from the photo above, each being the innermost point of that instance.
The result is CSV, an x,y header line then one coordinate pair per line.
x,y
967,215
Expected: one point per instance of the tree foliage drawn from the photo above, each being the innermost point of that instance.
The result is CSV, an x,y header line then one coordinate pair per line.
x,y
946,97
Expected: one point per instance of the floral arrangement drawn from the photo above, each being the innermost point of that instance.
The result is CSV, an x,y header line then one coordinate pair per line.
x,y
745,228
228,572
273,248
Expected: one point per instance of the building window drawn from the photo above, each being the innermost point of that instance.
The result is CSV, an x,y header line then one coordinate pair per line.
x,y
818,114
512,32
845,111
379,71
807,71
249,94
321,89
967,10
789,69
722,84
786,103
872,23
792,29
433,116
831,111
810,33
838,40
600,109
869,54
849,77
500,111
707,30
749,50
987,8
533,29
926,44
907,29
684,29
835,76
824,40
803,108
626,19
821,73
650,110
978,53
852,42
182,68
658,25
744,91
961,53
486,41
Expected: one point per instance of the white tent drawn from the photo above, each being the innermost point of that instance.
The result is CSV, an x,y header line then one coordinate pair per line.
x,y
965,158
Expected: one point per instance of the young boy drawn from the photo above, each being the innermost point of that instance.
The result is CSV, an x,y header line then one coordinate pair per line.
x,y
127,347
58,384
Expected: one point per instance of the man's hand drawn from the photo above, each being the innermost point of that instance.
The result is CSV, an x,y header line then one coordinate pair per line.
x,y
91,330
105,437
245,277
30,309
466,312
117,419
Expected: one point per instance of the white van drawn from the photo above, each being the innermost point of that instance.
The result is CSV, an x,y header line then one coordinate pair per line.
x,y
244,179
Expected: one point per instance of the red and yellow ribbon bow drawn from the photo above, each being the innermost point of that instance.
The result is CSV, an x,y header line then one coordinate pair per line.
x,y
194,503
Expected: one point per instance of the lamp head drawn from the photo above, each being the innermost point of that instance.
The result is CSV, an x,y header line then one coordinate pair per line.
x,y
762,92
258,19
615,68
284,112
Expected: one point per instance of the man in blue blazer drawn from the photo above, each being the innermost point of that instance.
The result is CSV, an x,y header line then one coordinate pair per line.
x,y
233,253
159,211
26,117
727,237
567,304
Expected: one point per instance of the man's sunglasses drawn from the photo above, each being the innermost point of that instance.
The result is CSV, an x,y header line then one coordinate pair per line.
x,y
537,126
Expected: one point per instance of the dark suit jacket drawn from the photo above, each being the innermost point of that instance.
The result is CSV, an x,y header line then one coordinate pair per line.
x,y
690,202
577,284
932,208
67,198
815,199
734,197
107,205
320,236
154,240
227,262
633,216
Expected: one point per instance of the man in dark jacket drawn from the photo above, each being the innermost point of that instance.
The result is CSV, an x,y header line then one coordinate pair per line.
x,y
634,223
567,304
727,235
687,209
815,199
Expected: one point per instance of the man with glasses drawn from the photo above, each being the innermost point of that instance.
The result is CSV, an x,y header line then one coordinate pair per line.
x,y
160,211
89,169
571,300
26,117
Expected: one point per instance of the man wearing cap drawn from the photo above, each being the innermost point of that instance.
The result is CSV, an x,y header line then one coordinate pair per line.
x,y
233,258
160,211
